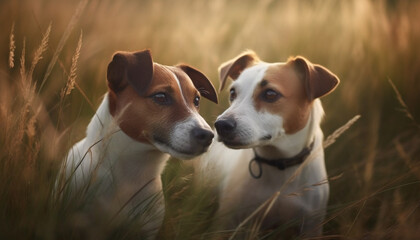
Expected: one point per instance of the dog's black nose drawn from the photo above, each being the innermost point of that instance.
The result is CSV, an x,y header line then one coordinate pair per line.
x,y
225,127
202,136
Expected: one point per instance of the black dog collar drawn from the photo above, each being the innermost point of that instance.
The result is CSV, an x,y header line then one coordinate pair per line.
x,y
280,163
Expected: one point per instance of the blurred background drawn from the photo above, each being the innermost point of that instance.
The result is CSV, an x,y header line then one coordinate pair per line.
x,y
53,63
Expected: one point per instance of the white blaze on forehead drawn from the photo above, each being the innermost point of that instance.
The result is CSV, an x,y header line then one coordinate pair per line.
x,y
247,82
180,89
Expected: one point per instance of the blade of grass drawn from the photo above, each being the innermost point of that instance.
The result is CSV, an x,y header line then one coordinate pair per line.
x,y
41,49
337,133
355,219
22,63
12,47
76,17
403,104
72,76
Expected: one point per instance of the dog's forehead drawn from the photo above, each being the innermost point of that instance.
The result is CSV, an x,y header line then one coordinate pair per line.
x,y
174,77
284,77
279,74
183,78
250,76
185,84
163,74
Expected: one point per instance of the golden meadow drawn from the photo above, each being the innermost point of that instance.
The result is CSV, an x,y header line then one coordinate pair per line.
x,y
53,63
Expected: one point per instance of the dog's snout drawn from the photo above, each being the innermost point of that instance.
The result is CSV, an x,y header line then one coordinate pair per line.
x,y
202,136
225,127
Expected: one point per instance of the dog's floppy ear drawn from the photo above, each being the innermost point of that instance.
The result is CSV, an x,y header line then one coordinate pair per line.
x,y
235,66
318,80
201,82
135,69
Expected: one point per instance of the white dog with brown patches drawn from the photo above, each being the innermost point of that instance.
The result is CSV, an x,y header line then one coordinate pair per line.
x,y
274,119
149,113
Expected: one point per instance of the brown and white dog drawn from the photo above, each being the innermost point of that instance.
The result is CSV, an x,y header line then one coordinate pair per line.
x,y
149,114
274,119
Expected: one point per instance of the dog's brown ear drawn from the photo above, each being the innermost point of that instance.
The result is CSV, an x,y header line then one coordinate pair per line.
x,y
235,66
135,69
201,82
318,80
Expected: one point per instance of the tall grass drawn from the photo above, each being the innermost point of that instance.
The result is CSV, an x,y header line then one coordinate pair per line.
x,y
364,42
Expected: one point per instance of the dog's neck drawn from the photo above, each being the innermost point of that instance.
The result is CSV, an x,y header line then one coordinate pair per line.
x,y
119,150
289,145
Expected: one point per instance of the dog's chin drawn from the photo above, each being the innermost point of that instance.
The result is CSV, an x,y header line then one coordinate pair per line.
x,y
188,154
234,144
240,144
184,154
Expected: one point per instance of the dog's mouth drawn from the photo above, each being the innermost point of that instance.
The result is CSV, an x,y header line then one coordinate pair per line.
x,y
176,152
233,143
239,144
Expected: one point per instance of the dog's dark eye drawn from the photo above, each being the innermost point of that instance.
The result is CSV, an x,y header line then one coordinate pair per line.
x,y
162,98
232,94
197,101
270,95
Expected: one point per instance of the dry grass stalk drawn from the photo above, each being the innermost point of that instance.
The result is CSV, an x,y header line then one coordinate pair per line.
x,y
355,218
310,187
371,148
22,63
333,137
41,49
72,76
17,120
63,40
12,47
401,101
25,85
31,125
300,168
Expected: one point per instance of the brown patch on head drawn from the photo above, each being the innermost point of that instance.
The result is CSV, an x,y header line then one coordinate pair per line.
x,y
141,118
293,105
